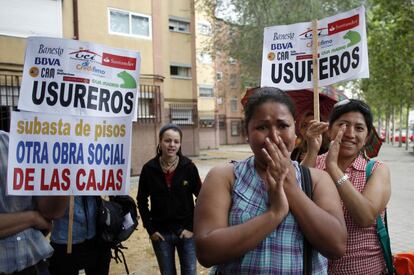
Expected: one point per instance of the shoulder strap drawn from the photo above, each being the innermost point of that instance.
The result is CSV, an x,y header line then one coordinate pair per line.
x,y
306,181
382,231
368,170
307,248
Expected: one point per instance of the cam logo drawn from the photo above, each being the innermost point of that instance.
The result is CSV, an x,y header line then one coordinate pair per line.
x,y
34,71
353,37
281,46
129,81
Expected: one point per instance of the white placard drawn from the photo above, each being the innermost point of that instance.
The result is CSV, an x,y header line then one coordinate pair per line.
x,y
79,78
342,52
68,155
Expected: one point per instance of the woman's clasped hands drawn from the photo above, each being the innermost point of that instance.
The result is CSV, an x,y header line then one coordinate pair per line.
x,y
278,172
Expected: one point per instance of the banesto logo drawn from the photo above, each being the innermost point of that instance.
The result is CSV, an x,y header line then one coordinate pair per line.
x,y
117,61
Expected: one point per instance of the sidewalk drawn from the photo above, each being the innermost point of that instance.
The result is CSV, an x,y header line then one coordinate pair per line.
x,y
400,213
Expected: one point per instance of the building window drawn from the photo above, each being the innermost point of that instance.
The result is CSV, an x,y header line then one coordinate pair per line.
x,y
183,114
177,25
219,76
9,98
204,28
206,91
131,24
233,80
222,122
235,128
207,123
149,109
232,60
205,58
180,71
233,104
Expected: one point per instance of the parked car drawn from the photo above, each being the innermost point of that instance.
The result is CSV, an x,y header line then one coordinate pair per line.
x,y
382,135
396,136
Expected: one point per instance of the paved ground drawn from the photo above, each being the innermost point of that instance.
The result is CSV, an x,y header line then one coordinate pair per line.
x,y
401,206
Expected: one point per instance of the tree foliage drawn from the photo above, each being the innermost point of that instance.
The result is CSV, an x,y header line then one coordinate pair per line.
x,y
390,35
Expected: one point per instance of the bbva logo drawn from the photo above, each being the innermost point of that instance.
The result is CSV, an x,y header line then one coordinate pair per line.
x,y
281,46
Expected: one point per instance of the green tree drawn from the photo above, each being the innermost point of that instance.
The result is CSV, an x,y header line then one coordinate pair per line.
x,y
390,35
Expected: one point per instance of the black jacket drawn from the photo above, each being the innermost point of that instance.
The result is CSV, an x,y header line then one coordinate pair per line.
x,y
172,208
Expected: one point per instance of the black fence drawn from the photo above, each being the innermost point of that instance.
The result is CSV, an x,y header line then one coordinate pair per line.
x,y
183,113
9,97
149,104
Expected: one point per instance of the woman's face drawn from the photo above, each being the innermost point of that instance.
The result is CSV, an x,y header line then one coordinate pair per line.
x,y
354,136
268,117
170,143
304,124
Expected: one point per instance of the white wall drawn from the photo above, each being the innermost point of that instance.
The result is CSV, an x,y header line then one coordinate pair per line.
x,y
23,18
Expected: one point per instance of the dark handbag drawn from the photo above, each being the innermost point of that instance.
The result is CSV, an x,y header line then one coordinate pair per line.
x,y
382,231
307,247
116,221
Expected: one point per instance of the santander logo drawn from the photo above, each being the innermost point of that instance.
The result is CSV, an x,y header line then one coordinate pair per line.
x,y
117,61
343,24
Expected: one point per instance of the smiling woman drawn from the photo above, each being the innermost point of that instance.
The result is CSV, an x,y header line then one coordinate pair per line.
x,y
363,200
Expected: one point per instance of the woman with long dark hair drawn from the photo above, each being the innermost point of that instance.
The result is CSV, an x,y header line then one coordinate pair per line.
x,y
170,181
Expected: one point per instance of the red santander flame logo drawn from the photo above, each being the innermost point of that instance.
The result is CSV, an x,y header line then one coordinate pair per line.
x,y
343,24
117,61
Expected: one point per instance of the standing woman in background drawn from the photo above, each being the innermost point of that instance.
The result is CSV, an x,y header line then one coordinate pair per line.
x,y
350,124
170,180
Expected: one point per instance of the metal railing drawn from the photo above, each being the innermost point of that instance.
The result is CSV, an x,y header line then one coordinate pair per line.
x,y
183,113
149,104
9,97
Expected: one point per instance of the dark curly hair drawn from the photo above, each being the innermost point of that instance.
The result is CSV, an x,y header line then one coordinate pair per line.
x,y
352,105
263,95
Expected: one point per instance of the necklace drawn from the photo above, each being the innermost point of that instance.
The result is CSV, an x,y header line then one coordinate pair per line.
x,y
168,165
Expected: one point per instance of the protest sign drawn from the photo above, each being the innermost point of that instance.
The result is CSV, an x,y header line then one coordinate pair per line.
x,y
68,155
79,78
342,52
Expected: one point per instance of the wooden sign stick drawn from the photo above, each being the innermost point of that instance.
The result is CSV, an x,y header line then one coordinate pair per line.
x,y
315,71
70,225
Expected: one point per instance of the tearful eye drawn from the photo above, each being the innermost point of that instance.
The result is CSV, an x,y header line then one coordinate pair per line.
x,y
261,127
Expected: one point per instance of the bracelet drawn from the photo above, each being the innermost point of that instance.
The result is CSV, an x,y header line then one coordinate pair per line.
x,y
341,180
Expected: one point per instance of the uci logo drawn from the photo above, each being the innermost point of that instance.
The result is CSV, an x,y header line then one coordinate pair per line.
x,y
308,34
85,55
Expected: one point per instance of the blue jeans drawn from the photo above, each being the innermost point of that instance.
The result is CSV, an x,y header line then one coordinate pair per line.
x,y
165,253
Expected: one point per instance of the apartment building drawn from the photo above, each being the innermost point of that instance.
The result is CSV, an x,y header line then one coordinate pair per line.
x,y
162,31
207,90
229,93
